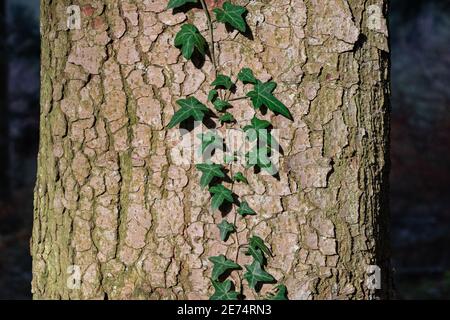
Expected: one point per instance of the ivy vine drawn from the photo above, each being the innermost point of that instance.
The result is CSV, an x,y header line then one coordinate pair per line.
x,y
190,41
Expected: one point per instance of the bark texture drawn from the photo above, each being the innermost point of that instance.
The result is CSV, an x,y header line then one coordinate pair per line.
x,y
110,199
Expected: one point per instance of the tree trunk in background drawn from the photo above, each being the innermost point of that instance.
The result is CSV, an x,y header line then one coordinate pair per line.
x,y
110,199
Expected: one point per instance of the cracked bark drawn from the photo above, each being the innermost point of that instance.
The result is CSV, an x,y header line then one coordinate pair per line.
x,y
110,199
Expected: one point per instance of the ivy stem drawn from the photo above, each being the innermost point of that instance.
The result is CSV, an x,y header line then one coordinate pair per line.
x,y
211,36
238,98
238,246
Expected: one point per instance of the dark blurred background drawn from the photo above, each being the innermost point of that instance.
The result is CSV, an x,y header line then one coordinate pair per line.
x,y
420,150
420,147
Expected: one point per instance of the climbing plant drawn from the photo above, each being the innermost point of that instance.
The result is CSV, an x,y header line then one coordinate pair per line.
x,y
191,42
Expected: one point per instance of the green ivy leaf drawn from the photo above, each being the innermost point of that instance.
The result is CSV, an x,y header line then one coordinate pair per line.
x,y
244,209
210,171
255,274
212,95
239,177
257,242
225,229
189,38
227,117
232,15
222,81
221,105
281,293
262,95
221,265
223,291
220,194
190,107
256,253
246,76
178,3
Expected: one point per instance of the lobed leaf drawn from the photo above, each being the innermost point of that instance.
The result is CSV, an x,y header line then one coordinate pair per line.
x,y
233,15
223,291
225,229
246,76
257,242
255,273
220,195
209,172
244,209
262,95
220,265
189,38
257,254
222,81
190,108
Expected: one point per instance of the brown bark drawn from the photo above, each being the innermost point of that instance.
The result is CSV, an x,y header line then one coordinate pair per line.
x,y
110,199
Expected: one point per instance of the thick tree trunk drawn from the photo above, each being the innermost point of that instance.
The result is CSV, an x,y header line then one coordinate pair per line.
x,y
110,199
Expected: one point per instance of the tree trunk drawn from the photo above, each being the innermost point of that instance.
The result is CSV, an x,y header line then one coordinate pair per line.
x,y
110,199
